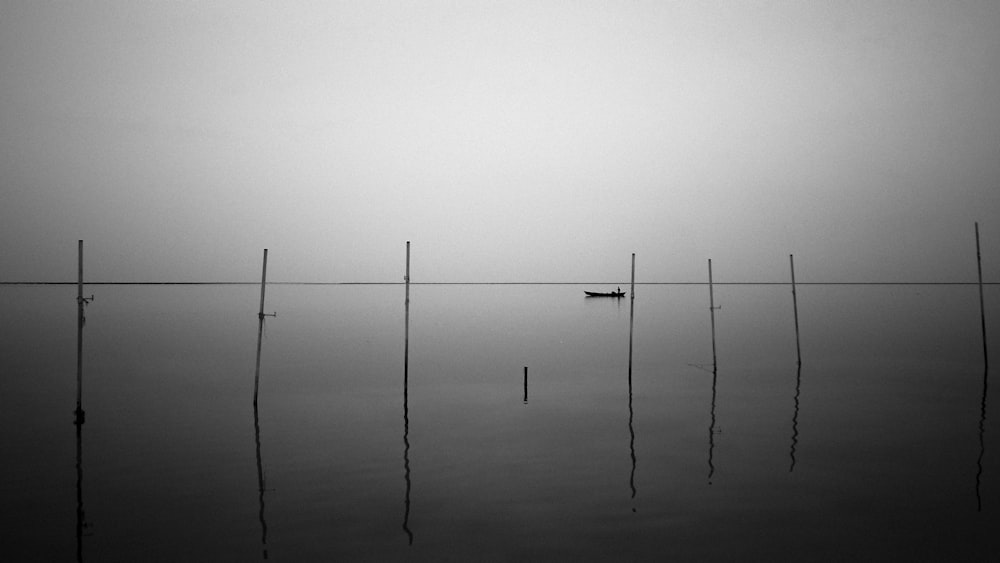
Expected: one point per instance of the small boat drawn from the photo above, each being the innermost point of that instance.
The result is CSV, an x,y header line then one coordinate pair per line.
x,y
609,294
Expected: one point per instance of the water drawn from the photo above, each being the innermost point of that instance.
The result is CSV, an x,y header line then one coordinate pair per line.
x,y
878,447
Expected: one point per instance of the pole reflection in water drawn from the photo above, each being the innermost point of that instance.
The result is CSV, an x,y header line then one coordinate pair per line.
x,y
711,428
631,429
406,406
982,444
795,417
256,430
715,372
81,522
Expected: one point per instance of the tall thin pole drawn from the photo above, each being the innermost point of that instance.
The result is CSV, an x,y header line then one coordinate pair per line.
x,y
633,276
261,488
78,413
260,330
631,428
80,302
256,374
982,309
79,278
526,385
795,309
263,284
715,374
631,324
406,404
711,308
406,332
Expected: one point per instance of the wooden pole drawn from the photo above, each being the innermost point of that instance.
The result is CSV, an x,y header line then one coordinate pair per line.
x,y
982,309
631,323
795,309
260,330
526,385
631,429
633,276
80,302
406,307
406,277
263,284
406,399
79,278
406,322
711,308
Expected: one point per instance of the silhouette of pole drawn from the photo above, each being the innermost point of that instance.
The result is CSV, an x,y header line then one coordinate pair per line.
x,y
80,302
260,329
631,324
633,276
526,385
711,308
631,428
79,415
263,284
795,309
982,309
406,398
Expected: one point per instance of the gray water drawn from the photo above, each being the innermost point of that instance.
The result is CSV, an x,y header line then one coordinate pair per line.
x,y
377,441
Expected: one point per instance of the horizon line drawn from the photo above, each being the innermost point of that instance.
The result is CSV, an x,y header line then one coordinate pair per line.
x,y
257,283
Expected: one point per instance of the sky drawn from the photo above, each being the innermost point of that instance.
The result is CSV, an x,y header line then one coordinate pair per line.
x,y
509,141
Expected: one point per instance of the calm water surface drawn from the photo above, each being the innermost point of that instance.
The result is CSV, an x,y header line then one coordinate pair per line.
x,y
374,441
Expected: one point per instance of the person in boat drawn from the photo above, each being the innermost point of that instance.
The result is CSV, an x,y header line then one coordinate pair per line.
x,y
619,289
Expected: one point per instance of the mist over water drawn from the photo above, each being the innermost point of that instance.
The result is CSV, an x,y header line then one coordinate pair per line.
x,y
528,141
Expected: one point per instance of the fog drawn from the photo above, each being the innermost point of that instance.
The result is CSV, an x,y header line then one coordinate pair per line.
x,y
511,141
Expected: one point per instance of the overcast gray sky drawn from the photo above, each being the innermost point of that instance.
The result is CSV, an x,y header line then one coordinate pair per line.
x,y
510,141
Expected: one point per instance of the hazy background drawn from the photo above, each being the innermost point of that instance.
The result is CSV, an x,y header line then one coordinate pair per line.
x,y
510,141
